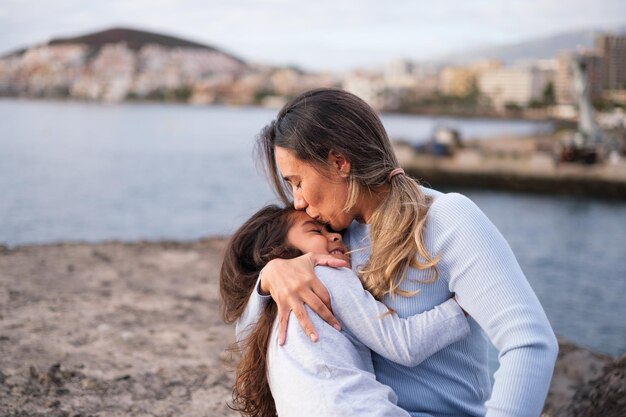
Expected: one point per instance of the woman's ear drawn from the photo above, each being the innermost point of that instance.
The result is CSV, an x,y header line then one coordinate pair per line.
x,y
339,162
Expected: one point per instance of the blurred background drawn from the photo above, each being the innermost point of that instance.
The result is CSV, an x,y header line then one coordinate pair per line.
x,y
136,120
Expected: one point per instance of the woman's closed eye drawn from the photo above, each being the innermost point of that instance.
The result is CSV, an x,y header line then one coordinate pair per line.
x,y
294,187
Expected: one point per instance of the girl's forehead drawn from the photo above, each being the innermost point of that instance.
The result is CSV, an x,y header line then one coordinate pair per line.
x,y
301,218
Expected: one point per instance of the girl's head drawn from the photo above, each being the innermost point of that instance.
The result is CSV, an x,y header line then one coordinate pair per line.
x,y
272,232
329,149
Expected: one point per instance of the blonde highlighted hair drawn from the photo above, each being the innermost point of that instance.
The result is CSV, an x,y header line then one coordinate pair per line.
x,y
324,120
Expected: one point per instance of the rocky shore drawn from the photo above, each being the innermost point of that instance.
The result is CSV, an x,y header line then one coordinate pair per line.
x,y
133,329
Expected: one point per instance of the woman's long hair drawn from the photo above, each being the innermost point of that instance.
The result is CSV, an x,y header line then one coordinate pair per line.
x,y
324,120
260,239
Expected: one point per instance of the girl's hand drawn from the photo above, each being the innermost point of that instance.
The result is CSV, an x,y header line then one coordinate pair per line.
x,y
292,284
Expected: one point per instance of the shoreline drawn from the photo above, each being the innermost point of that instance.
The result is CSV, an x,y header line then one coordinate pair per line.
x,y
464,116
134,329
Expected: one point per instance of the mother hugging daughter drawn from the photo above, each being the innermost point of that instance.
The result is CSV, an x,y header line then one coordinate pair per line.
x,y
413,248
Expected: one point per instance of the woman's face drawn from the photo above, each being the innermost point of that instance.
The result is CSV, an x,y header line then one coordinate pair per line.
x,y
322,195
307,235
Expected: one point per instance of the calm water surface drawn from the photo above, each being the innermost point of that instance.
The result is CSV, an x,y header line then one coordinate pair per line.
x,y
91,172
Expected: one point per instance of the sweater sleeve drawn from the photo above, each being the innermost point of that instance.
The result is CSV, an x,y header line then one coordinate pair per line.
x,y
251,314
489,284
407,341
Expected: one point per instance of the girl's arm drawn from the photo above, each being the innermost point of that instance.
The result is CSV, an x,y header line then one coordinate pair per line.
x,y
490,285
405,341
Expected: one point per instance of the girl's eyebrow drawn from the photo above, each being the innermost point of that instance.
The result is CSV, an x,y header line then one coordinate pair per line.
x,y
312,223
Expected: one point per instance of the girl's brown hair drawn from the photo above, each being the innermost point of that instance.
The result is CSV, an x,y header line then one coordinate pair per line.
x,y
262,238
324,120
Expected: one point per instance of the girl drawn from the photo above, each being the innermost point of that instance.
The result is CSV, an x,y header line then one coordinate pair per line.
x,y
333,377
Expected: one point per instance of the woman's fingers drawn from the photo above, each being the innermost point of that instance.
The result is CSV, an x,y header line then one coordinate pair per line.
x,y
319,301
283,321
292,284
303,319
328,260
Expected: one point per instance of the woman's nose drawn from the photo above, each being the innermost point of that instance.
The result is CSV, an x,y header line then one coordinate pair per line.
x,y
299,203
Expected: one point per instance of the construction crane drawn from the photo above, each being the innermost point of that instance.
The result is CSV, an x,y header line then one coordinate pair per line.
x,y
588,144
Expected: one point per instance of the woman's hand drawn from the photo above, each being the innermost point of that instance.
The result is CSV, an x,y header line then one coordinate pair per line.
x,y
292,284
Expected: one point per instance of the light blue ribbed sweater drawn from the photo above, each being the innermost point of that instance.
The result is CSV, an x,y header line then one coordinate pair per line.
x,y
478,265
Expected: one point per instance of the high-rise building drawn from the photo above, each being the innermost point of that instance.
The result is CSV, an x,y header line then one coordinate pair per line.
x,y
613,51
593,63
514,85
400,73
563,79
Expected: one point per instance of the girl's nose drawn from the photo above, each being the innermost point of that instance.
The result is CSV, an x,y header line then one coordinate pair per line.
x,y
334,237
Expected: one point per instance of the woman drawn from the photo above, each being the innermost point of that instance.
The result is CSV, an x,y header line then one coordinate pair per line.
x,y
336,378
330,150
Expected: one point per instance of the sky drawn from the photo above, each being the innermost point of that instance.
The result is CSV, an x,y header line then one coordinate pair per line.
x,y
314,34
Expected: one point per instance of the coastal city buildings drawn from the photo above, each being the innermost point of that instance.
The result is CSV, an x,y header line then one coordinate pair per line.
x,y
456,81
517,86
368,86
592,61
401,74
612,49
460,81
202,75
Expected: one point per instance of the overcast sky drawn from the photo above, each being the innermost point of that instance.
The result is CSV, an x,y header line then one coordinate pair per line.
x,y
314,34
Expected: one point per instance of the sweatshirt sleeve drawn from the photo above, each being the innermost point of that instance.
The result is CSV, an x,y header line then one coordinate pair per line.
x,y
481,269
407,341
251,314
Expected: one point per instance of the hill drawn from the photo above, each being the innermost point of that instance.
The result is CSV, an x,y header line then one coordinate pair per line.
x,y
538,48
135,40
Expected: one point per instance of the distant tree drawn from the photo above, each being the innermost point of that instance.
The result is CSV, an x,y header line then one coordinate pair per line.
x,y
263,92
548,95
182,93
512,108
156,95
473,93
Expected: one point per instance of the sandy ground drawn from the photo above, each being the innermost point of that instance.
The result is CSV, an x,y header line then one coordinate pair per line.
x,y
133,329
113,329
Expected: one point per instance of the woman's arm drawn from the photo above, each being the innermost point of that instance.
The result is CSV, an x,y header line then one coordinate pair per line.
x,y
405,341
292,284
490,285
